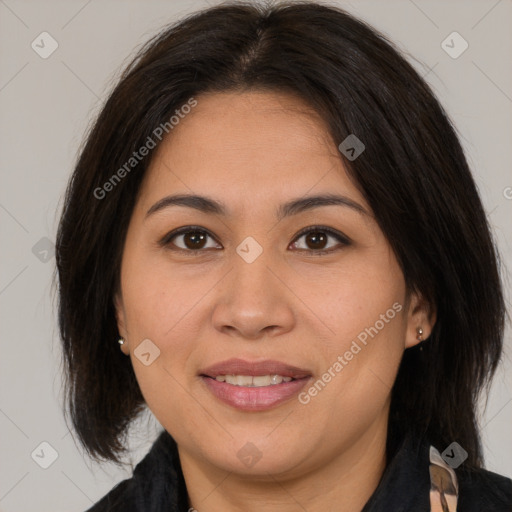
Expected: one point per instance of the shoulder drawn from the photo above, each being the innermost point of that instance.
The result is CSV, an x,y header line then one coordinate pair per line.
x,y
482,490
120,498
157,483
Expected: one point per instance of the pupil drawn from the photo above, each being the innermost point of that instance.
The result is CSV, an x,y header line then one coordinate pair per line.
x,y
316,240
195,238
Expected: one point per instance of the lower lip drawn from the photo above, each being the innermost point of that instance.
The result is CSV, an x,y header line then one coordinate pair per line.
x,y
254,398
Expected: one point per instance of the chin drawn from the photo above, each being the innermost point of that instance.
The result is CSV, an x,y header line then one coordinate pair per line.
x,y
258,458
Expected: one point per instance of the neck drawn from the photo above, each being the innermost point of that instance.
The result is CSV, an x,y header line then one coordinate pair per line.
x,y
343,483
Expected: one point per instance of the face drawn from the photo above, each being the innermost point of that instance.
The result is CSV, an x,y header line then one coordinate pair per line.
x,y
307,298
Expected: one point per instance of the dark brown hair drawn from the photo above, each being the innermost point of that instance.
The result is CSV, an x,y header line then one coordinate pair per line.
x,y
413,173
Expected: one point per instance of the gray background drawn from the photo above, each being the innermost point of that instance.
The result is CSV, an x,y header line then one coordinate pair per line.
x,y
47,104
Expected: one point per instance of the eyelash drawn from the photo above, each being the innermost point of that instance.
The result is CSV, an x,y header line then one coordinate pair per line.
x,y
166,240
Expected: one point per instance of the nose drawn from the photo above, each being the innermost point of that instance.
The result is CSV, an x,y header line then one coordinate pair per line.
x,y
254,300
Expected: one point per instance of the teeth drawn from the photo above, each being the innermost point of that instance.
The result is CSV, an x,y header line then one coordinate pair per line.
x,y
253,382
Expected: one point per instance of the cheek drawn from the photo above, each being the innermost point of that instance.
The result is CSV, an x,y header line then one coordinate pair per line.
x,y
363,304
157,296
161,305
354,386
351,297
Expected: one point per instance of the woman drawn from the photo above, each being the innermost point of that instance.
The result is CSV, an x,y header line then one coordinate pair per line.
x,y
265,215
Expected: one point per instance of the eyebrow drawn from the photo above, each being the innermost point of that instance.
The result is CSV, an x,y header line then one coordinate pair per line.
x,y
208,205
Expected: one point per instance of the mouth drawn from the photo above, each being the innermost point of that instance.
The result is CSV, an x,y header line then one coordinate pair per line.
x,y
254,386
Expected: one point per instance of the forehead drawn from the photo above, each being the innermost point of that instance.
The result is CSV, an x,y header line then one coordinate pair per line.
x,y
252,146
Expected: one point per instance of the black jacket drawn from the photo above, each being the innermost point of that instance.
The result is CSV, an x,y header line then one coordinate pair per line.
x,y
157,484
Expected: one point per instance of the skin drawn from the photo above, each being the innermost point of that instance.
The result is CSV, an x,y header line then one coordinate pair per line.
x,y
254,151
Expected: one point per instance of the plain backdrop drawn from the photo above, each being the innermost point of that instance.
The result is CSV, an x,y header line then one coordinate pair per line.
x,y
46,105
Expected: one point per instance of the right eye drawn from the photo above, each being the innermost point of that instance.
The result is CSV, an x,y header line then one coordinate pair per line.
x,y
191,238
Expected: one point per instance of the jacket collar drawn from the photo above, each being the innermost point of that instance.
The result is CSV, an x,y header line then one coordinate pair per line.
x,y
405,483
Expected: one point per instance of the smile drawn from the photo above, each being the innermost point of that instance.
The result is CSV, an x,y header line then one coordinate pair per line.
x,y
254,385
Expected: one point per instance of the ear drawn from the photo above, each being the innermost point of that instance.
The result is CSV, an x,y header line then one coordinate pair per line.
x,y
421,314
121,322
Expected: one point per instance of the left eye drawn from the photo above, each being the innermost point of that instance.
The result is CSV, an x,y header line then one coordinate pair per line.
x,y
194,238
317,237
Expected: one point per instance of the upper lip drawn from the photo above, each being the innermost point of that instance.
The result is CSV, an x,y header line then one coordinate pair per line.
x,y
266,367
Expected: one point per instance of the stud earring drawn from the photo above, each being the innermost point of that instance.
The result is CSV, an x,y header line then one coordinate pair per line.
x,y
120,341
419,336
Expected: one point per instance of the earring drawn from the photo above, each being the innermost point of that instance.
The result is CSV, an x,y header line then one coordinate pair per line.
x,y
120,341
419,336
